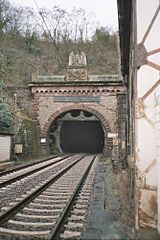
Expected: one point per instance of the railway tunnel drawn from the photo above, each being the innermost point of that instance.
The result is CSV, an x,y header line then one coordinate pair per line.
x,y
76,131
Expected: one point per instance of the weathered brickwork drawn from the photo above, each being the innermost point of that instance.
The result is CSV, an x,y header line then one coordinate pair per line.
x,y
103,106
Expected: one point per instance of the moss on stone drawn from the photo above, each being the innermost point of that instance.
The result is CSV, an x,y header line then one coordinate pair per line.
x,y
30,140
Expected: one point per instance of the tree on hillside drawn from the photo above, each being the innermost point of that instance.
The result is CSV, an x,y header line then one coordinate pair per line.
x,y
34,41
5,17
104,36
62,25
104,48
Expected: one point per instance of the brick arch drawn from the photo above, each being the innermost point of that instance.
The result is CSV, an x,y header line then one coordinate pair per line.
x,y
100,116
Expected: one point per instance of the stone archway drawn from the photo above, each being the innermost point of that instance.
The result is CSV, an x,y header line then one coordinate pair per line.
x,y
100,116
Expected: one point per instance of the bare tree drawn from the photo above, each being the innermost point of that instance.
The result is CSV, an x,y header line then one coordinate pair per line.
x,y
5,16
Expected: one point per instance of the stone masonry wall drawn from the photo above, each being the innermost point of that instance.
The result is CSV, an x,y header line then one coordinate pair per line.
x,y
102,103
121,123
27,126
42,107
25,101
47,107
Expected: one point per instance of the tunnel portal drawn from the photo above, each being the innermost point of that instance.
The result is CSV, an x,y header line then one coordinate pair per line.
x,y
76,132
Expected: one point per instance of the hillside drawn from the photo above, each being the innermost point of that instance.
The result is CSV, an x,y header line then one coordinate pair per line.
x,y
28,47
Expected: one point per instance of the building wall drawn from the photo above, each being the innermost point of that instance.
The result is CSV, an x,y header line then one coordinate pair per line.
x,y
147,121
157,137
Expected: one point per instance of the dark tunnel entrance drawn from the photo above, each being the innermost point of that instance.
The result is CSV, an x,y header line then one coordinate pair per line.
x,y
81,136
76,131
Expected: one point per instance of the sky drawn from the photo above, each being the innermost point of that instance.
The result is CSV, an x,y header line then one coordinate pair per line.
x,y
105,11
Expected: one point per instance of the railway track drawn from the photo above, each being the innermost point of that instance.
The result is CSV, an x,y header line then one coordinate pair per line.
x,y
25,165
27,180
13,175
54,209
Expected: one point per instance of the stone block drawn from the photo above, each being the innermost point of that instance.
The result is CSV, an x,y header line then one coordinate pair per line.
x,y
76,73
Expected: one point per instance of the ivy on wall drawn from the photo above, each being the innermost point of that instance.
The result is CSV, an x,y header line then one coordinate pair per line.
x,y
27,130
6,118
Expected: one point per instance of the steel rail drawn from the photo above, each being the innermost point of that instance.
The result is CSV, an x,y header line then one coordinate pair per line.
x,y
16,178
17,207
59,224
16,168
